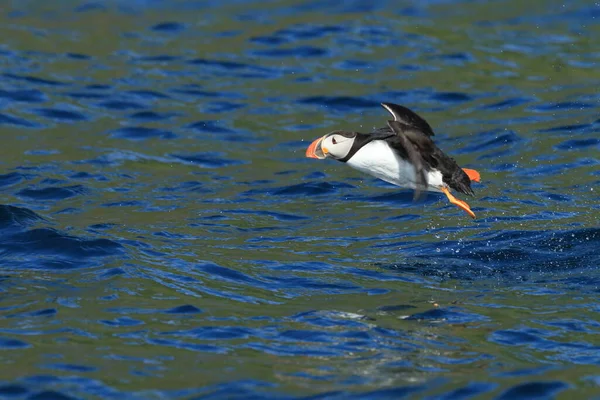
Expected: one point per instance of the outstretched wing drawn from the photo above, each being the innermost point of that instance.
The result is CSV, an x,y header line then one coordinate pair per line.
x,y
412,138
408,118
421,151
414,143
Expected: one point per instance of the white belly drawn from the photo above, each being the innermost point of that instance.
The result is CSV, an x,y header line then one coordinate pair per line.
x,y
376,158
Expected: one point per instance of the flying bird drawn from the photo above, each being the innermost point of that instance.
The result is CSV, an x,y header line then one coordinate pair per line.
x,y
402,153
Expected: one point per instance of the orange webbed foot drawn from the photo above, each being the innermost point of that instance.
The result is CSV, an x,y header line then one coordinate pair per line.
x,y
459,203
472,174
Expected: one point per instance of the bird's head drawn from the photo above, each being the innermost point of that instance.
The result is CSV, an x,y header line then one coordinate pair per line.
x,y
336,145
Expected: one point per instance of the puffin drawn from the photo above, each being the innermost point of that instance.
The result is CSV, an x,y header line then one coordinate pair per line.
x,y
402,153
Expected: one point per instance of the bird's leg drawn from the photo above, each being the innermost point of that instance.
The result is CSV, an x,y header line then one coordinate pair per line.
x,y
459,203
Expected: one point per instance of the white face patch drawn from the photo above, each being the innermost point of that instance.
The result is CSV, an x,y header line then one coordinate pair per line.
x,y
337,146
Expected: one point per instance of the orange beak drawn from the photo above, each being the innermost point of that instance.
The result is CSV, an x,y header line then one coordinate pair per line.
x,y
315,150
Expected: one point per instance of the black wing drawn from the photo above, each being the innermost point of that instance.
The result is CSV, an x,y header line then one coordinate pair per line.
x,y
425,155
413,144
408,118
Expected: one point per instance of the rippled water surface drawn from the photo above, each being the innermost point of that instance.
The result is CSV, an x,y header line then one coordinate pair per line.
x,y
163,236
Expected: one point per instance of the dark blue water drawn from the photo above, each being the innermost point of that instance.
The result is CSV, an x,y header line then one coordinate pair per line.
x,y
163,236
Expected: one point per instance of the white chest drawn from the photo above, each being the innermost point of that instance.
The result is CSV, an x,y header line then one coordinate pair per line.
x,y
377,159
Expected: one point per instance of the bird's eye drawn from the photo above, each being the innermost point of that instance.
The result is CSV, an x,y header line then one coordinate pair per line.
x,y
333,140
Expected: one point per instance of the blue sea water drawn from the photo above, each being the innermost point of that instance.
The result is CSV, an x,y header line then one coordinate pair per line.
x,y
162,234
